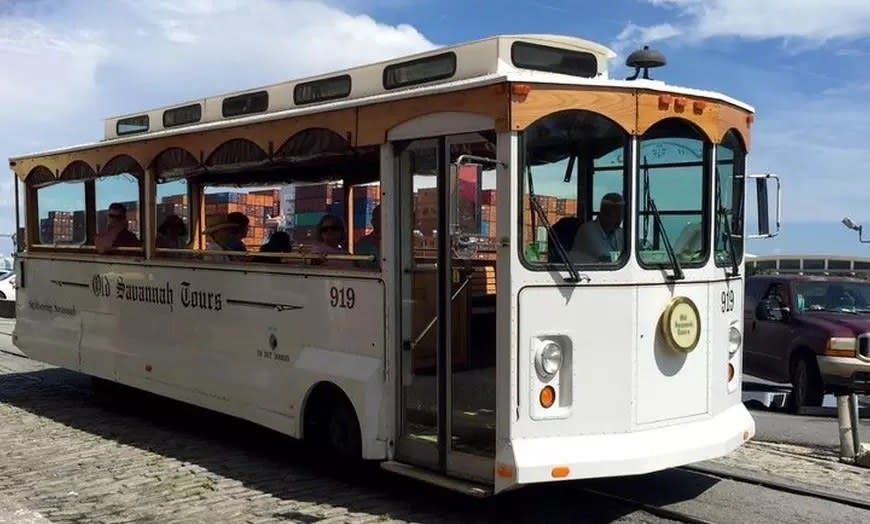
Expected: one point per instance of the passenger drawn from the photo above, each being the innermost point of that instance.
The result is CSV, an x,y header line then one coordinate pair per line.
x,y
224,236
116,233
279,242
242,222
371,243
601,240
330,235
172,233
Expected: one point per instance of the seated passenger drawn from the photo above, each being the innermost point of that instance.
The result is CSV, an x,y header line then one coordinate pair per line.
x,y
371,243
241,220
172,233
223,236
329,237
602,239
279,242
116,233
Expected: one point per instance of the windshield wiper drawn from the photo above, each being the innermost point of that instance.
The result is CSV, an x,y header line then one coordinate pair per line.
x,y
651,205
551,235
722,214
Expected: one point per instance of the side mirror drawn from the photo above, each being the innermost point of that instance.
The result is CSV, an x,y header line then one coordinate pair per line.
x,y
763,205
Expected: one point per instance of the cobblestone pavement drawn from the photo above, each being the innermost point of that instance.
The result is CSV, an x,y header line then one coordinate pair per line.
x,y
814,467
68,455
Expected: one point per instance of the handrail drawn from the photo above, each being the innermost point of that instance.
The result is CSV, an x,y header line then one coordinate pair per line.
x,y
434,320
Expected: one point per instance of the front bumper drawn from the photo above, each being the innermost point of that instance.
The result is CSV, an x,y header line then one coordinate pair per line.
x,y
847,372
638,452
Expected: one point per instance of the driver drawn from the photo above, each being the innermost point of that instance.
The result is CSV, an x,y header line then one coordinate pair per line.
x,y
602,239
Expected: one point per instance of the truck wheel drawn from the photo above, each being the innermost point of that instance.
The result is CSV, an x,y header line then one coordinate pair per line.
x,y
807,389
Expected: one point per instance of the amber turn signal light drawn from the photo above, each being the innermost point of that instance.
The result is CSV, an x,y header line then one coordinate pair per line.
x,y
547,396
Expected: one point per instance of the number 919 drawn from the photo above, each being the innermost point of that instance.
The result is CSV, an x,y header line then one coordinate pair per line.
x,y
342,298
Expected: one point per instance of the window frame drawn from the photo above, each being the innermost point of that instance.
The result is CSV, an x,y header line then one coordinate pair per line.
x,y
735,172
706,197
86,243
629,143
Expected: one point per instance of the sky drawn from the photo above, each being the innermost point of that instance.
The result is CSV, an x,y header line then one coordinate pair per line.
x,y
801,64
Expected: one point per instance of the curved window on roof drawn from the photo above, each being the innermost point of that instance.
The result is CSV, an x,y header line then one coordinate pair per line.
x,y
554,60
245,104
420,71
322,90
133,124
179,116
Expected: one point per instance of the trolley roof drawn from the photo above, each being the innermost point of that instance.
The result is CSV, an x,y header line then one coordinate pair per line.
x,y
554,59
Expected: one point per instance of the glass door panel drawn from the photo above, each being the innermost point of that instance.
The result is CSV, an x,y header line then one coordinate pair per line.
x,y
419,183
473,313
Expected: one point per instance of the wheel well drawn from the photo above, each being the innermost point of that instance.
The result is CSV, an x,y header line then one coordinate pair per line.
x,y
322,397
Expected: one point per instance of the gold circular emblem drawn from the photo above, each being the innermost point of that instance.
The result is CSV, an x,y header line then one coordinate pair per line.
x,y
681,324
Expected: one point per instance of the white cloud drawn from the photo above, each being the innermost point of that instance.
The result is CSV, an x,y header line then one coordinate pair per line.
x,y
71,64
810,20
817,144
814,140
634,33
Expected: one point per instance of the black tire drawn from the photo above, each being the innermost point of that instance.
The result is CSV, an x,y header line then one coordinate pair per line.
x,y
806,382
332,429
343,433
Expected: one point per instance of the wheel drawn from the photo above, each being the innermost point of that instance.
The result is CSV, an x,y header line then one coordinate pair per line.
x,y
332,429
807,389
342,433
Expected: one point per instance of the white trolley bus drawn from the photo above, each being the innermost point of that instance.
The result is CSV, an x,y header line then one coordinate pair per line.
x,y
505,267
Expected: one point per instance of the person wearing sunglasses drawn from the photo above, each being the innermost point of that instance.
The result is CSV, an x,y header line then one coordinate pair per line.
x,y
329,239
116,233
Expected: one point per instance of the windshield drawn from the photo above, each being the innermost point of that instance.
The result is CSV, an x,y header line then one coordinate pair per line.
x,y
672,208
575,184
832,296
730,170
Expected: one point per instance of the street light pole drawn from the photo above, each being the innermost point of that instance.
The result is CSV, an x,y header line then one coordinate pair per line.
x,y
848,222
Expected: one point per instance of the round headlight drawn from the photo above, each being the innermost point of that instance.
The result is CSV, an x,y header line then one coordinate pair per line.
x,y
550,359
735,340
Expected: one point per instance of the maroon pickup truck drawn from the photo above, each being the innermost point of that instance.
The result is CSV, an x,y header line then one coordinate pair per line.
x,y
810,331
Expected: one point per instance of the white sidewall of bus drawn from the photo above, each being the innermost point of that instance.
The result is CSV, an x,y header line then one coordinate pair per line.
x,y
220,358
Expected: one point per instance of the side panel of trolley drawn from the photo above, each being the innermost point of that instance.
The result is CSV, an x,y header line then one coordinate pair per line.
x,y
251,344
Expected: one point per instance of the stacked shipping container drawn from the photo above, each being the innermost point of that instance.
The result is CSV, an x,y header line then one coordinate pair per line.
x,y
311,203
62,227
